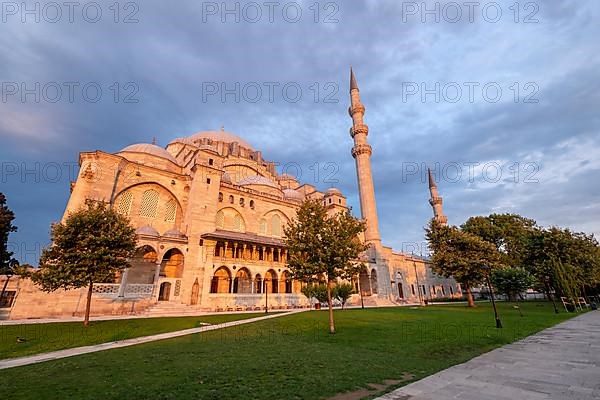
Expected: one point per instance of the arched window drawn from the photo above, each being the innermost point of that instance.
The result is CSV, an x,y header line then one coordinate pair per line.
x,y
221,281
149,204
238,223
242,201
220,197
124,204
262,227
220,220
276,225
231,199
170,211
252,204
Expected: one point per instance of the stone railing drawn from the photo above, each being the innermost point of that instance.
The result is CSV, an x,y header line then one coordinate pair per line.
x,y
139,290
107,289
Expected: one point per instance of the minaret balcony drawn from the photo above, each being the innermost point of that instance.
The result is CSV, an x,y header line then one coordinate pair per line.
x,y
361,149
435,201
359,129
358,108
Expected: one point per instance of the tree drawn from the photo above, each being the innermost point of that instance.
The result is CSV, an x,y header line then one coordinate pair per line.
x,y
8,264
90,246
461,255
512,281
510,233
316,291
6,227
342,292
324,247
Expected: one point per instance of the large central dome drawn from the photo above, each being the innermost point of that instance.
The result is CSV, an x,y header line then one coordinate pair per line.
x,y
221,136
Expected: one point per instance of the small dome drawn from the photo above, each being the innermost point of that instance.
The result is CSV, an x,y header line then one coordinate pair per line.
x,y
147,231
220,136
257,180
333,191
292,194
183,140
174,234
286,177
147,148
226,178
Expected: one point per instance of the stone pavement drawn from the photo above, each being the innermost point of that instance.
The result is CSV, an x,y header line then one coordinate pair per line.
x,y
561,363
54,355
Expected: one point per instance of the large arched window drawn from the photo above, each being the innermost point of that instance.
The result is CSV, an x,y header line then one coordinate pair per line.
x,y
221,281
149,204
170,211
238,223
220,220
262,227
124,203
276,225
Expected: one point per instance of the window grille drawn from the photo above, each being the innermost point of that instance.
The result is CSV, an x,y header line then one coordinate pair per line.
x,y
149,204
276,225
124,204
170,211
220,220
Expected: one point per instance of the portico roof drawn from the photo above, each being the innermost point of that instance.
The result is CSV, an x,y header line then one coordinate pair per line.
x,y
243,237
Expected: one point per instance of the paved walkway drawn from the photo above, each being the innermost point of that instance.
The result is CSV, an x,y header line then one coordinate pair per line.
x,y
562,363
54,355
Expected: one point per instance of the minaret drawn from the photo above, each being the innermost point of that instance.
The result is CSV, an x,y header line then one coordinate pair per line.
x,y
436,201
362,154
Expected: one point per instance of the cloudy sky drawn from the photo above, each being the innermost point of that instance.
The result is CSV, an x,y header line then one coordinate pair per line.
x,y
501,100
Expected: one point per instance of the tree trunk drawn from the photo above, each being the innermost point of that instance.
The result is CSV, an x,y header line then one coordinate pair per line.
x,y
86,320
470,300
331,323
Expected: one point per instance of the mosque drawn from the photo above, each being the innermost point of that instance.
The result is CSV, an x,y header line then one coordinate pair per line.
x,y
210,213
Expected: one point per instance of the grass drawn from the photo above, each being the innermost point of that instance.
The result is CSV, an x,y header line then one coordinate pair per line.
x,y
291,357
41,338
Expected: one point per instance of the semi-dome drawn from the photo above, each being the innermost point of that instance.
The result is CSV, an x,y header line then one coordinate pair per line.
x,y
174,234
226,178
147,148
220,136
257,180
147,230
292,194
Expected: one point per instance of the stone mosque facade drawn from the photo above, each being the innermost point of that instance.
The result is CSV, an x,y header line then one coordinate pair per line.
x,y
210,213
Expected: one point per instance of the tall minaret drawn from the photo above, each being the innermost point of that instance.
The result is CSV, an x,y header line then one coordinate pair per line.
x,y
436,201
362,154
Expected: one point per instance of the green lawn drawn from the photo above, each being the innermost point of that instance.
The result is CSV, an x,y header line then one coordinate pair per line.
x,y
41,338
291,357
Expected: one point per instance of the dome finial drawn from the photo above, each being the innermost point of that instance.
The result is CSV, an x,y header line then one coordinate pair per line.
x,y
222,128
154,140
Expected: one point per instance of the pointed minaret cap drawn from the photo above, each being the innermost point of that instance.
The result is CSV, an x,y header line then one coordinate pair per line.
x,y
353,84
431,180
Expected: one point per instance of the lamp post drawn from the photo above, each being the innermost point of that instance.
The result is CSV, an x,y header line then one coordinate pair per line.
x,y
360,291
266,296
418,285
487,278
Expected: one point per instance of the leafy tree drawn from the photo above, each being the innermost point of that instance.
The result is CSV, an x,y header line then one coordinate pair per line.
x,y
324,247
461,255
512,281
90,246
510,233
342,292
316,291
6,227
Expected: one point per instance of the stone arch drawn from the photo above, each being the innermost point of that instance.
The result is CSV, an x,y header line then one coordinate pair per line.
x,y
221,281
365,282
195,293
374,281
271,282
146,201
242,283
274,222
172,263
258,284
285,283
143,265
230,219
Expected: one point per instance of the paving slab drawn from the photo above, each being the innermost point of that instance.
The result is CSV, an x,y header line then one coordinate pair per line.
x,y
559,363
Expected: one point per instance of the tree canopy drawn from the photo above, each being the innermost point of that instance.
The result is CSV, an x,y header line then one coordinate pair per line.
x,y
7,262
324,247
90,246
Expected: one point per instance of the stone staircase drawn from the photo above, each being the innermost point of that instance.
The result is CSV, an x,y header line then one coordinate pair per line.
x,y
167,308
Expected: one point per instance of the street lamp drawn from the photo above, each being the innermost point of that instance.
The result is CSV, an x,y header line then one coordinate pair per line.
x,y
418,285
487,278
266,296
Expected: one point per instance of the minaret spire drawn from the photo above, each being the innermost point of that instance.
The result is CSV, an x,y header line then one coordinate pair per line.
x,y
362,154
436,201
